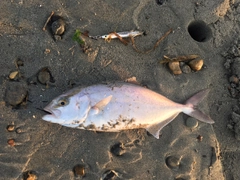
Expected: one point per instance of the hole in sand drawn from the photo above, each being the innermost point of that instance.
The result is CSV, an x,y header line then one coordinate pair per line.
x,y
199,31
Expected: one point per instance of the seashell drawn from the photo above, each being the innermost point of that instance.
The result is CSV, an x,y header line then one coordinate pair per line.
x,y
13,74
173,162
58,27
191,123
79,170
175,67
10,128
196,64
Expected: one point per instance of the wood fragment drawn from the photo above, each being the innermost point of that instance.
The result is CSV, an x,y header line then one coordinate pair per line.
x,y
48,19
154,47
167,59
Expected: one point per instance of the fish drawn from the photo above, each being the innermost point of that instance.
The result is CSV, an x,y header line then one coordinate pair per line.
x,y
120,106
124,34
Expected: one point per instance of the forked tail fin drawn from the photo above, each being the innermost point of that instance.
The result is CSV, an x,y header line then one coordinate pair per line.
x,y
196,113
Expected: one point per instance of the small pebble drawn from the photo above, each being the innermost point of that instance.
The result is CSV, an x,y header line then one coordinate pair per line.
x,y
13,74
186,69
11,142
118,149
10,128
230,126
79,170
19,62
200,138
196,64
173,162
18,130
47,51
191,122
235,67
234,79
175,68
29,175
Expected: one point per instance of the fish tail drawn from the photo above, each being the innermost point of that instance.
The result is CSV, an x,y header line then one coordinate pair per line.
x,y
193,111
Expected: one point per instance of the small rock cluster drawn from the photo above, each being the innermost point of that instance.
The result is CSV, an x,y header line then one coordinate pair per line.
x,y
182,67
234,125
232,64
183,64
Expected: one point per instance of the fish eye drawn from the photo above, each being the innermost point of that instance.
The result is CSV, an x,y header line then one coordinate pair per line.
x,y
63,102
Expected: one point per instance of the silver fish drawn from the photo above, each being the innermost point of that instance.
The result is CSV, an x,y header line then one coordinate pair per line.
x,y
119,106
124,34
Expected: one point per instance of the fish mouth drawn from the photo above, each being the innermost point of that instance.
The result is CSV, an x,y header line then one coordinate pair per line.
x,y
52,115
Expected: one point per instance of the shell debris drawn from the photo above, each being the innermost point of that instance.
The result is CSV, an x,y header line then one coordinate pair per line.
x,y
187,62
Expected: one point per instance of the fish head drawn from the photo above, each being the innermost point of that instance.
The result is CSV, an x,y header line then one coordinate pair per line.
x,y
65,110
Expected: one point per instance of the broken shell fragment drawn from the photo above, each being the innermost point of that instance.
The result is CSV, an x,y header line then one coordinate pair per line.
x,y
173,162
58,27
175,67
79,170
10,128
13,74
30,175
11,142
196,64
109,174
191,122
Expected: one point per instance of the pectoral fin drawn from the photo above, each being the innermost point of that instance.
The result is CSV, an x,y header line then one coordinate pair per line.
x,y
155,129
101,104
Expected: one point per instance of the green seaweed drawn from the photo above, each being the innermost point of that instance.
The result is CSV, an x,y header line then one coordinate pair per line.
x,y
77,37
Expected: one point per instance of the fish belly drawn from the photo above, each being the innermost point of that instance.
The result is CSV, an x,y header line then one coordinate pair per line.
x,y
130,107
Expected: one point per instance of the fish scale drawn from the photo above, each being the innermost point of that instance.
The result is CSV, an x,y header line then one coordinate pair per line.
x,y
120,106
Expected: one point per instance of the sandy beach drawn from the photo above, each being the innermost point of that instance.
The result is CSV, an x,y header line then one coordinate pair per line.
x,y
46,51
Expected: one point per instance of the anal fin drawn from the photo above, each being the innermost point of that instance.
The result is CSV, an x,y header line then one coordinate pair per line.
x,y
155,129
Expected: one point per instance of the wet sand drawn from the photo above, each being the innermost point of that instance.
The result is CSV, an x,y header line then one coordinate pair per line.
x,y
37,65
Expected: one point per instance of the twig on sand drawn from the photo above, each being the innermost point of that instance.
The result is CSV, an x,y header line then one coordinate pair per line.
x,y
154,47
178,58
48,19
